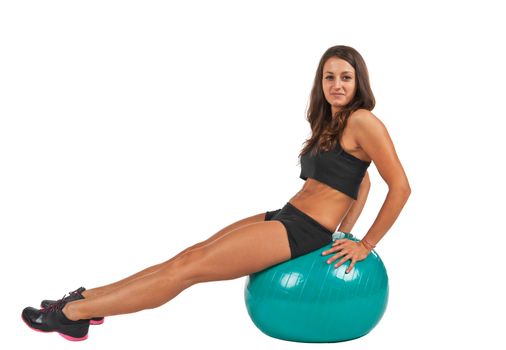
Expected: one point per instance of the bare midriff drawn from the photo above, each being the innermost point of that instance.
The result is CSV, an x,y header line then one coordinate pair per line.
x,y
323,203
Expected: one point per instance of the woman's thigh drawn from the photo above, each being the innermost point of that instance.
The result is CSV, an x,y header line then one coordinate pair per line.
x,y
242,251
246,221
223,232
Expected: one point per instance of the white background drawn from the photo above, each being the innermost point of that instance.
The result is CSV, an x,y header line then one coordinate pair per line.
x,y
131,130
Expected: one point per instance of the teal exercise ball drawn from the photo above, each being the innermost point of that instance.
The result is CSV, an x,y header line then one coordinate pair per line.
x,y
307,300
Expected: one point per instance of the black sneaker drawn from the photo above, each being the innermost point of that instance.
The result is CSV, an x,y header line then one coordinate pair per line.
x,y
52,319
75,295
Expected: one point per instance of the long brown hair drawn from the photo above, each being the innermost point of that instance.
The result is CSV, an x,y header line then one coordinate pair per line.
x,y
325,129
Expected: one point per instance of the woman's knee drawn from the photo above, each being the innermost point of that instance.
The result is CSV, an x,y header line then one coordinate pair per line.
x,y
185,266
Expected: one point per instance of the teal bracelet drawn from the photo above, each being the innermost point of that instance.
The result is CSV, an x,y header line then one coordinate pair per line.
x,y
341,235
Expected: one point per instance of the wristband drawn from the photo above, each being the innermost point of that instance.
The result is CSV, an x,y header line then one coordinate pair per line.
x,y
367,244
341,235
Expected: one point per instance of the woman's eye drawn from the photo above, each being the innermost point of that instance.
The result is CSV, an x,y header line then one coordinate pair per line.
x,y
330,77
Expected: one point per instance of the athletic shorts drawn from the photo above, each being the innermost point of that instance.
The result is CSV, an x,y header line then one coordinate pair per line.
x,y
305,234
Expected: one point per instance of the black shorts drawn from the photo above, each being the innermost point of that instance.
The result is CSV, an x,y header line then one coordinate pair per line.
x,y
305,234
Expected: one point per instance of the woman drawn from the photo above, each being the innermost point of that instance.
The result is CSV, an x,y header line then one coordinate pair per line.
x,y
346,138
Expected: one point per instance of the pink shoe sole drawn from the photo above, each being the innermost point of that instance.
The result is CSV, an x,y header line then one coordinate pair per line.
x,y
96,323
68,337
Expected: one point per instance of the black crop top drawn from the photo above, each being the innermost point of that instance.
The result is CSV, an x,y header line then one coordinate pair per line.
x,y
336,168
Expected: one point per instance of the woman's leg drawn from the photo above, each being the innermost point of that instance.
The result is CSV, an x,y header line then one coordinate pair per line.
x,y
92,293
247,249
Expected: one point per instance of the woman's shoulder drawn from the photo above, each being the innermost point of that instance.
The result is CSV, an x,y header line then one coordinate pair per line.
x,y
362,113
363,118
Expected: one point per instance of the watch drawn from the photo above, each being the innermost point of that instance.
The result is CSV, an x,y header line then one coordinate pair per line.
x,y
340,235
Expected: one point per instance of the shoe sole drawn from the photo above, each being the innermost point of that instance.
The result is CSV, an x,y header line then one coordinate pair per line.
x,y
92,322
96,322
68,337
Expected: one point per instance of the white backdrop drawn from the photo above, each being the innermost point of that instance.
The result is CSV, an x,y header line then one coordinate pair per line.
x,y
131,130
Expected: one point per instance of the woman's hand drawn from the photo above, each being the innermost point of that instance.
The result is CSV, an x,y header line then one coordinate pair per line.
x,y
349,250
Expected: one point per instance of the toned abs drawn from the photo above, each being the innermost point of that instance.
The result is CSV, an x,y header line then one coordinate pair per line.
x,y
322,203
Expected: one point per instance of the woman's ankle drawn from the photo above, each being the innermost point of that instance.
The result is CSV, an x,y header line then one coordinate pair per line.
x,y
71,312
90,293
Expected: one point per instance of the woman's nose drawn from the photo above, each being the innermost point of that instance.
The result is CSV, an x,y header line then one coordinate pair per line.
x,y
337,84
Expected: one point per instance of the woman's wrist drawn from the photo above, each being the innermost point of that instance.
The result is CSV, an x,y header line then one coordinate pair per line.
x,y
368,245
345,228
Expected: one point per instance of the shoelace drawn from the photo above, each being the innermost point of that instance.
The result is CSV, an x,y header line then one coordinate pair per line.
x,y
60,303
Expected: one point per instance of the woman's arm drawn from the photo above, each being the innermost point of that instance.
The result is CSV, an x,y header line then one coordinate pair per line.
x,y
392,206
356,208
372,136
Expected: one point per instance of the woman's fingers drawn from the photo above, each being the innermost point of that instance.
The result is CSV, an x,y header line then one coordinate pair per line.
x,y
343,260
338,242
346,249
331,250
336,256
352,264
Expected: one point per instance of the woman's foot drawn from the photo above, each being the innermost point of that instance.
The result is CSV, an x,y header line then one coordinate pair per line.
x,y
75,295
52,319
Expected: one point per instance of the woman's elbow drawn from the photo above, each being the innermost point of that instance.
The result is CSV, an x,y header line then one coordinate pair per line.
x,y
400,186
403,188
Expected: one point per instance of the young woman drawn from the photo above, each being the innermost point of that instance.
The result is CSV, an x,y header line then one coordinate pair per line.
x,y
346,137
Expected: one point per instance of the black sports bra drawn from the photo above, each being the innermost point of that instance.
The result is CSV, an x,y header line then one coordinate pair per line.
x,y
336,168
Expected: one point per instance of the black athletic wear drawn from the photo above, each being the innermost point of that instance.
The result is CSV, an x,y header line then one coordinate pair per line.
x,y
305,234
335,168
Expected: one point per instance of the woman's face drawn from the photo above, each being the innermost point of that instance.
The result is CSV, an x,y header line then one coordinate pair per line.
x,y
338,83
